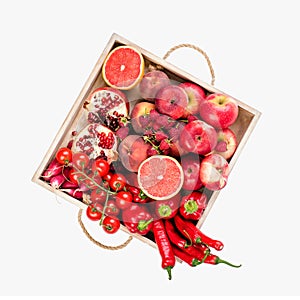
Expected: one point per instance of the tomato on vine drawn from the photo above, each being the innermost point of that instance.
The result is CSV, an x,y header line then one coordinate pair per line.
x,y
94,212
75,176
80,160
110,224
123,199
100,167
117,182
64,156
98,195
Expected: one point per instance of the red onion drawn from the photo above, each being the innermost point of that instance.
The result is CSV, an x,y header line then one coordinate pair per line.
x,y
57,181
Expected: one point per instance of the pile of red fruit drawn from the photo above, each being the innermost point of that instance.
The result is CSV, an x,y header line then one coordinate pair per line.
x,y
150,163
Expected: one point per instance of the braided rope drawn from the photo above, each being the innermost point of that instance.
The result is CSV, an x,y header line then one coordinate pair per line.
x,y
121,246
212,72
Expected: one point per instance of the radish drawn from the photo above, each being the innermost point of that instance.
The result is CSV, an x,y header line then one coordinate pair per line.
x,y
57,181
76,193
69,185
53,169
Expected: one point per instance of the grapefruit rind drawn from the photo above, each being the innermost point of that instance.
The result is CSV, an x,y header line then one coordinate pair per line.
x,y
167,196
138,77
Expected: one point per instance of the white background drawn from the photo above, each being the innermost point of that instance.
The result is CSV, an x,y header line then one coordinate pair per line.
x,y
48,49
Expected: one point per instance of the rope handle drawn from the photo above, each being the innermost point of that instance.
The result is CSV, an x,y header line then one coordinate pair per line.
x,y
118,247
121,246
212,72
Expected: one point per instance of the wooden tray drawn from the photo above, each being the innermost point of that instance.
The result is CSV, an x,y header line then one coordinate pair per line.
x,y
243,127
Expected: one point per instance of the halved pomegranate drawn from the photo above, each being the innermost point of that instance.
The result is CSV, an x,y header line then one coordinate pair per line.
x,y
104,102
96,140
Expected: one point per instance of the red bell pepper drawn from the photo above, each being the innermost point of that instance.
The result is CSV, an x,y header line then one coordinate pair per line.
x,y
192,205
167,209
137,219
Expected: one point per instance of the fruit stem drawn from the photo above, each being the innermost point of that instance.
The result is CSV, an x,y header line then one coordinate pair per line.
x,y
104,208
94,182
150,142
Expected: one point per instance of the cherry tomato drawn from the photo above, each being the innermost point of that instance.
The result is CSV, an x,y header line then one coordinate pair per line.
x,y
75,176
108,176
98,195
111,208
80,160
91,183
117,182
123,199
64,156
100,167
110,224
94,211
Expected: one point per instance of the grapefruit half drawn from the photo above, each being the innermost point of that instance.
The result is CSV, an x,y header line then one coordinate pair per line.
x,y
123,68
160,177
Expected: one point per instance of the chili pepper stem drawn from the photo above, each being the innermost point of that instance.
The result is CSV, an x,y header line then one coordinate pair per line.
x,y
169,272
196,262
143,224
221,261
207,252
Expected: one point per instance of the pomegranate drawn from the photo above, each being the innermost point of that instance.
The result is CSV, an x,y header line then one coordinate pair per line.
x,y
96,140
104,102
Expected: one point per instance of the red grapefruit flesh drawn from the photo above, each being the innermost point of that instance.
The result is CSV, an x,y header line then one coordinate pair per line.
x,y
123,68
160,177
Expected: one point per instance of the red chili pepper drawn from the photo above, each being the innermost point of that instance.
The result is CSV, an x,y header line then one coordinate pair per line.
x,y
214,260
182,244
192,205
164,246
174,237
196,235
218,245
167,209
137,219
187,230
192,261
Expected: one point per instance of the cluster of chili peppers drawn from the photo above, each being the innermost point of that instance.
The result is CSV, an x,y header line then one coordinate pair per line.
x,y
180,238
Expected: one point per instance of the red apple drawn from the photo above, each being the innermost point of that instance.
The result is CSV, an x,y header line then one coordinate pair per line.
x,y
219,110
140,110
214,170
172,101
132,151
198,137
151,83
176,150
196,95
227,143
191,170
